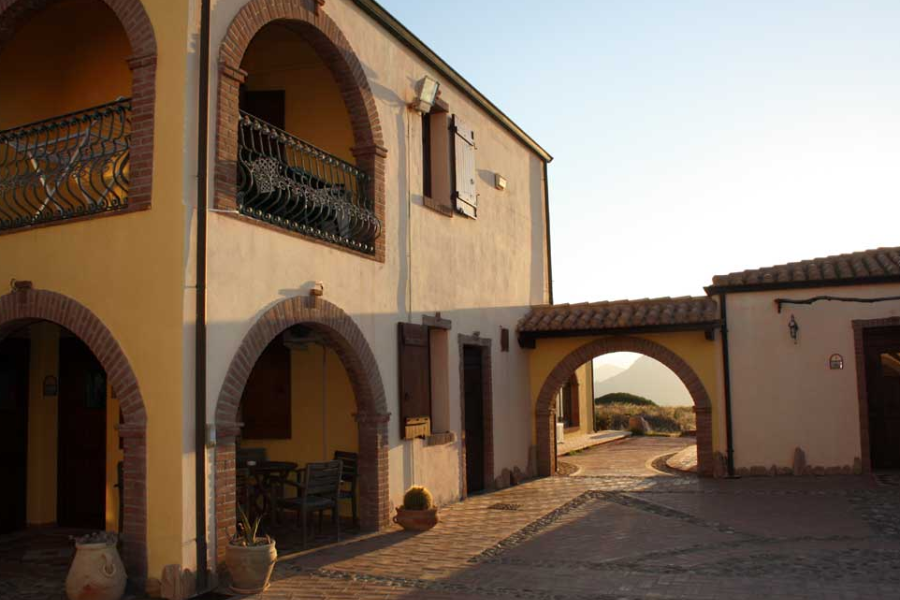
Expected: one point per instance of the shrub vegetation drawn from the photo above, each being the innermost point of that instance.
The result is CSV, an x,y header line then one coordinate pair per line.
x,y
612,411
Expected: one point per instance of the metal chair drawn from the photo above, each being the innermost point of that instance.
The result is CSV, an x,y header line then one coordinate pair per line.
x,y
348,480
319,492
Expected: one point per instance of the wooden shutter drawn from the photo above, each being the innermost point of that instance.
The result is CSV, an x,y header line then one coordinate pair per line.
x,y
266,403
415,380
464,193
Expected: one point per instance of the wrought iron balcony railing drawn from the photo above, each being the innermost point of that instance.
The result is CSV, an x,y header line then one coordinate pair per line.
x,y
292,184
65,167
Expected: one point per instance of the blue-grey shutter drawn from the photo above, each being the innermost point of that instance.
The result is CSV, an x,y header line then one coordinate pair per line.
x,y
464,194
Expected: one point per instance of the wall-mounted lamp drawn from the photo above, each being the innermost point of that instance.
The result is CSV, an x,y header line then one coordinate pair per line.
x,y
836,362
794,329
426,93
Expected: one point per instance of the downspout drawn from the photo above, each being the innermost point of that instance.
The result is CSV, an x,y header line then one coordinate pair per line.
x,y
726,370
547,225
200,336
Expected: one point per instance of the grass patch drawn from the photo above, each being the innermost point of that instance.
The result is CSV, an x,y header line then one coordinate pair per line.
x,y
663,420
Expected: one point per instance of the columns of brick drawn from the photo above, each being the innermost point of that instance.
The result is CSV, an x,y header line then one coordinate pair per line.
x,y
27,305
346,339
545,421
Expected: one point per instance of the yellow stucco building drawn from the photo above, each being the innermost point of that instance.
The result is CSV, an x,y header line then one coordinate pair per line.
x,y
343,275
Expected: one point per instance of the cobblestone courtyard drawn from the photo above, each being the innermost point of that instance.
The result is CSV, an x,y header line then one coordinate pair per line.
x,y
617,529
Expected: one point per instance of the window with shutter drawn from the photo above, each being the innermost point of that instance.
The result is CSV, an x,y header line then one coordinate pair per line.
x,y
415,380
266,402
464,193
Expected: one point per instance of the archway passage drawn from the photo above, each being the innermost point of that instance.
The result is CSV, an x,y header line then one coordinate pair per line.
x,y
248,159
82,98
53,336
545,408
308,322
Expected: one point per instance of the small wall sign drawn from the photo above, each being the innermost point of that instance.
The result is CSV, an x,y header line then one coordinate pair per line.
x,y
836,362
51,387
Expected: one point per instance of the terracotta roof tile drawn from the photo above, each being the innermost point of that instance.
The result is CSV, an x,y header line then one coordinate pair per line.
x,y
620,314
869,264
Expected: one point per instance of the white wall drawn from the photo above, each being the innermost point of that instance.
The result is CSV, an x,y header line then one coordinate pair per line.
x,y
783,394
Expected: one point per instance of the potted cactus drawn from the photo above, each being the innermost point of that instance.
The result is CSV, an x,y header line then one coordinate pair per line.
x,y
250,558
418,512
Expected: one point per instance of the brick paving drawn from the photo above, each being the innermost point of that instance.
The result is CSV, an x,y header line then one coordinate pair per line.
x,y
621,530
573,442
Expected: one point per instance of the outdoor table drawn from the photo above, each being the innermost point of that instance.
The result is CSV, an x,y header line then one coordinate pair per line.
x,y
268,484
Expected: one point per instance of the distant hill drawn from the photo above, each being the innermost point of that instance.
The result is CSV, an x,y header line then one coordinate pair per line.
x,y
623,398
602,372
650,379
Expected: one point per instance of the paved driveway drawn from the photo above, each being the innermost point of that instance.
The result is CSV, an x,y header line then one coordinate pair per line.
x,y
620,530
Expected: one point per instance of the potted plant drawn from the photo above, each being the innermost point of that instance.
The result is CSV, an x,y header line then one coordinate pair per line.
x,y
418,512
250,559
97,572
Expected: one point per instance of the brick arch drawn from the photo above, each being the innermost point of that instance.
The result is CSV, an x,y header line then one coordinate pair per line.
x,y
344,337
139,29
24,306
545,409
321,32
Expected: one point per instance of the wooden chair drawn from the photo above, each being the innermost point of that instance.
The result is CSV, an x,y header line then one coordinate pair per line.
x,y
349,475
319,491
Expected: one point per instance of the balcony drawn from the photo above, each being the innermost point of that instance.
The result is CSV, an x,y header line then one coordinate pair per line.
x,y
289,183
70,166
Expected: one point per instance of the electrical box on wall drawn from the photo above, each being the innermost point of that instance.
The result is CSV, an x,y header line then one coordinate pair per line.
x,y
499,181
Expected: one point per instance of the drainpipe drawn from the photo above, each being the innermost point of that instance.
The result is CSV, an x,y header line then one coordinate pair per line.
x,y
727,375
200,337
547,225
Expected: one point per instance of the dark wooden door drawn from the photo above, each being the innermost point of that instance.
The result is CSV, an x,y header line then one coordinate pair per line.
x,y
473,379
14,361
81,464
882,348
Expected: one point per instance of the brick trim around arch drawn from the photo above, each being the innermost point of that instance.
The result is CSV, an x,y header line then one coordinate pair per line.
x,y
335,51
545,409
344,337
138,28
26,305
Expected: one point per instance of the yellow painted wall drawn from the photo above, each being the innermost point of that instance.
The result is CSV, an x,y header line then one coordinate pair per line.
x,y
52,67
43,437
702,355
129,270
310,442
42,426
280,59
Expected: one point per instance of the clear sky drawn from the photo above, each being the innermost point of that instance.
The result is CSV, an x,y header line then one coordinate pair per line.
x,y
691,137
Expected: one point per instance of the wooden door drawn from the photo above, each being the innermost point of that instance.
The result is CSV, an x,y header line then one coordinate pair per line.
x,y
882,352
81,464
473,379
14,362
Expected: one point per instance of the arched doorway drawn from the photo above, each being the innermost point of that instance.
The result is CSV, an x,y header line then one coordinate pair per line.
x,y
76,109
336,331
255,95
94,362
545,408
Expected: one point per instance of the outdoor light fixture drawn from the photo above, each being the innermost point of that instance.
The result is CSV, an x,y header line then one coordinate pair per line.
x,y
426,94
836,362
794,328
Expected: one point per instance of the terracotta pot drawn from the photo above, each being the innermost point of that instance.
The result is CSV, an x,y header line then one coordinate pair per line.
x,y
416,520
97,573
250,567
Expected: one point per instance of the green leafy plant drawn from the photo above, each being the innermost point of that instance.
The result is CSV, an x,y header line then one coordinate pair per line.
x,y
246,534
417,498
